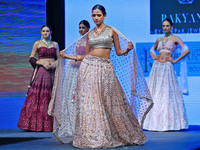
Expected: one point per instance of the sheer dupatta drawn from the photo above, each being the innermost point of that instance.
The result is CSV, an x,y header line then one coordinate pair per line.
x,y
183,72
129,73
63,101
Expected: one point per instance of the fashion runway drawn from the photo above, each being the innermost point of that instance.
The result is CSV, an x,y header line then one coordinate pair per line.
x,y
12,139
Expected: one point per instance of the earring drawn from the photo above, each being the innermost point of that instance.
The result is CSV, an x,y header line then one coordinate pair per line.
x,y
42,37
50,38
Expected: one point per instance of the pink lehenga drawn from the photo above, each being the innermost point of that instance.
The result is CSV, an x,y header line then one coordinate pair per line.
x,y
110,104
168,112
34,116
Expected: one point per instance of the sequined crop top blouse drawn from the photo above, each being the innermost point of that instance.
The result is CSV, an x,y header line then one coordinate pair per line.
x,y
104,40
169,46
45,52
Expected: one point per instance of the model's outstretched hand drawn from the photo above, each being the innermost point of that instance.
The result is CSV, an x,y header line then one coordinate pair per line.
x,y
130,46
63,55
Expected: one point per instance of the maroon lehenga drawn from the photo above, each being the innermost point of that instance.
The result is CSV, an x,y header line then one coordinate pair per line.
x,y
34,115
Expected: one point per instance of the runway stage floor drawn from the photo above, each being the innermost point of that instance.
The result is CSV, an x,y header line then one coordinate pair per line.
x,y
17,139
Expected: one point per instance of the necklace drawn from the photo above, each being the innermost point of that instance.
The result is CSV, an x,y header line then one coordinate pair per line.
x,y
99,32
163,43
167,35
46,42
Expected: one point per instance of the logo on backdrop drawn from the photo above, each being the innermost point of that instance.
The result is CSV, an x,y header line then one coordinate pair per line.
x,y
185,1
185,15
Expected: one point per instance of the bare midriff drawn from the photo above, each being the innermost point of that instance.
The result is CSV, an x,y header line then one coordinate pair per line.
x,y
47,60
100,52
164,57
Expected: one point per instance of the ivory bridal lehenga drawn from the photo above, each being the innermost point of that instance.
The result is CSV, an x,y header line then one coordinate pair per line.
x,y
168,112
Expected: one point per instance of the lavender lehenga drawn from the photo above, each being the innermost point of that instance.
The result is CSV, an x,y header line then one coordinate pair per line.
x,y
108,106
168,112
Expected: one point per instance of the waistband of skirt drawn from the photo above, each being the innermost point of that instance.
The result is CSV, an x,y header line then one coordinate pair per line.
x,y
162,62
96,58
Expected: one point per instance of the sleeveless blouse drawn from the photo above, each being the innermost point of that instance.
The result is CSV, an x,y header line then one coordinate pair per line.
x,y
169,46
45,52
104,40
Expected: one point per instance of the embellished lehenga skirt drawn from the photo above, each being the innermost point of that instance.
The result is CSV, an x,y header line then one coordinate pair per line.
x,y
168,112
34,115
104,118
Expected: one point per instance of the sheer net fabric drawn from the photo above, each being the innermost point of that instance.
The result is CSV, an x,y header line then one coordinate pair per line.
x,y
63,102
109,113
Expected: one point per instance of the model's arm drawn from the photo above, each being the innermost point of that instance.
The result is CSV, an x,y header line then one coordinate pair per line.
x,y
32,59
118,49
183,46
78,57
152,51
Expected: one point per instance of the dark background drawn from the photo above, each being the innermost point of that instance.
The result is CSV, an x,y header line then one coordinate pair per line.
x,y
158,7
55,18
